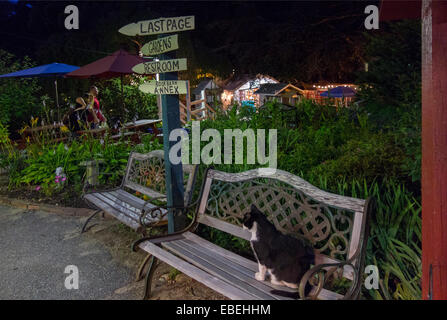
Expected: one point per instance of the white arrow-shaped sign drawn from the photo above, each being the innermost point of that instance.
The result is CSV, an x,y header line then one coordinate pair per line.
x,y
159,26
162,66
162,45
164,87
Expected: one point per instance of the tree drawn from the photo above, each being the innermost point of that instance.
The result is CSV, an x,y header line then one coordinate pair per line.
x,y
391,89
18,97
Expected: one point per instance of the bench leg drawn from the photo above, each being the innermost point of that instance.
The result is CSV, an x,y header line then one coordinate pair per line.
x,y
149,275
89,218
139,276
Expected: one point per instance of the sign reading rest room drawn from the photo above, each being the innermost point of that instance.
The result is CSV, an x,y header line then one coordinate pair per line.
x,y
159,26
162,66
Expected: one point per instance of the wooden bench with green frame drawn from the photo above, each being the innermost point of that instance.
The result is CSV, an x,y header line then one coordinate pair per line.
x,y
145,174
335,225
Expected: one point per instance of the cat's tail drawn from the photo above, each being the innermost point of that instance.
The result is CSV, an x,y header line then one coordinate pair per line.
x,y
287,294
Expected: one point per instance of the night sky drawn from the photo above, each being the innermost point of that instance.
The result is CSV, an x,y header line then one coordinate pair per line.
x,y
297,41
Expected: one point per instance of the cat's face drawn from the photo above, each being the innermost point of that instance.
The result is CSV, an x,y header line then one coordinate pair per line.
x,y
250,217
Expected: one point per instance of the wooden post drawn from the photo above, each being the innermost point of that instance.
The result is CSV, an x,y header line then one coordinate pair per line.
x,y
434,150
92,171
174,173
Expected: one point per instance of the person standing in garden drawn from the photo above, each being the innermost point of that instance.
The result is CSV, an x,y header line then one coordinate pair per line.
x,y
94,117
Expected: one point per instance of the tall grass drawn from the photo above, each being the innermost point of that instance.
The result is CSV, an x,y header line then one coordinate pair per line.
x,y
394,243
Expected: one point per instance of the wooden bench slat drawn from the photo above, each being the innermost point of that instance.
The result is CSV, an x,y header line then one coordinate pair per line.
x,y
225,275
224,226
192,271
100,203
244,274
122,206
135,201
128,197
112,203
127,209
230,255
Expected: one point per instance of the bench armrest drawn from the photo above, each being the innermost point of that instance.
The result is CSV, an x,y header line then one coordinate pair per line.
x,y
153,211
324,271
190,227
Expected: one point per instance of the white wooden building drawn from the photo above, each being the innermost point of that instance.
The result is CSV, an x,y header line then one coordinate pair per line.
x,y
241,89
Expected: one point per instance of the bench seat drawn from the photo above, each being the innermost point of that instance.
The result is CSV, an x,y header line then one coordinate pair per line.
x,y
124,207
233,275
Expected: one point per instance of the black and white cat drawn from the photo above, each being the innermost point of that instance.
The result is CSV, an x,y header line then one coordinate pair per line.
x,y
284,257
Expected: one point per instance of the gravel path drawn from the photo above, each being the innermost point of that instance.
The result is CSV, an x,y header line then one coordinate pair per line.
x,y
35,249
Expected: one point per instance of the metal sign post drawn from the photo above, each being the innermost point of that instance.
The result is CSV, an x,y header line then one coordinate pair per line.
x,y
174,173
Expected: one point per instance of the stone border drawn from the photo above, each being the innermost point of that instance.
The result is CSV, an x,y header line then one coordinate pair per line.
x,y
27,205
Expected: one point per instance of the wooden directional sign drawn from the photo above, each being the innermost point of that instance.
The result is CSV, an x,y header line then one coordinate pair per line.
x,y
161,45
159,26
162,66
164,87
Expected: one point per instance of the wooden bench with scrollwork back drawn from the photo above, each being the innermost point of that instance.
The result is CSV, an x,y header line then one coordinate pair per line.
x,y
335,225
145,174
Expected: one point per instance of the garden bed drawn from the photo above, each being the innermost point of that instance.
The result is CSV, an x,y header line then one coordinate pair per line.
x,y
68,197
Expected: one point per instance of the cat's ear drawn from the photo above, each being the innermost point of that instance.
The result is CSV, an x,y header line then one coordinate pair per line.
x,y
254,208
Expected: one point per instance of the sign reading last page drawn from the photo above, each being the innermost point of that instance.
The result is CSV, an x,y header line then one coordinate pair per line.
x,y
159,26
164,87
162,66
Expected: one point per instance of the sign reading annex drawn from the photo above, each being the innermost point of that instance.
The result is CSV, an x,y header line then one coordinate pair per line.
x,y
164,87
162,66
159,26
162,45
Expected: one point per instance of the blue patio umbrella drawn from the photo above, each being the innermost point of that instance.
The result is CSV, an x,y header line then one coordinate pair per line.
x,y
47,70
339,92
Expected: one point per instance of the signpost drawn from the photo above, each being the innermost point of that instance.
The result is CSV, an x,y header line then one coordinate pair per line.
x,y
169,87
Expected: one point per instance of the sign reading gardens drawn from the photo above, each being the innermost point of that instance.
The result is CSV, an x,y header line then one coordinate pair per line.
x,y
162,45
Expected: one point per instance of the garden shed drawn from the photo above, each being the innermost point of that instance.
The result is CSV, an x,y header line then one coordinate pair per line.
x,y
285,93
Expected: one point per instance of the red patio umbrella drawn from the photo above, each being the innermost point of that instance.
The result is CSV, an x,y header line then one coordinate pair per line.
x,y
115,65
